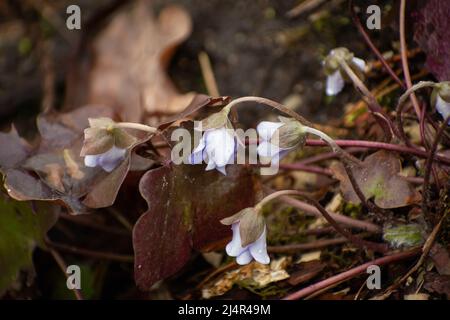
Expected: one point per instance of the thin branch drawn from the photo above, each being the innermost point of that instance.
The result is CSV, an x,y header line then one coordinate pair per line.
x,y
91,253
429,166
290,248
425,251
347,221
404,56
372,46
363,244
63,266
346,275
381,145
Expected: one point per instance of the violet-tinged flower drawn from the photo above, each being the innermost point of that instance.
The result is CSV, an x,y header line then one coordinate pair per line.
x,y
278,138
335,75
105,144
216,148
256,250
108,160
441,99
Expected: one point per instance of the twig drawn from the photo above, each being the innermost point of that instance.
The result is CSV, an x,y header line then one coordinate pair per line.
x,y
425,251
429,165
208,74
347,221
289,248
305,168
403,53
372,46
91,253
120,217
351,273
381,145
303,7
363,244
63,266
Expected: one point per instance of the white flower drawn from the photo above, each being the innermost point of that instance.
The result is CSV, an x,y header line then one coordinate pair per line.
x,y
108,160
266,149
216,147
256,250
443,107
335,81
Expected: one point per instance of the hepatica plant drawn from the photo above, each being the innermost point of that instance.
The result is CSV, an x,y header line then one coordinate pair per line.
x,y
200,178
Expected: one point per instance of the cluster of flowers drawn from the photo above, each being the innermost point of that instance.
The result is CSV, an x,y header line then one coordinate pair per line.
x,y
106,145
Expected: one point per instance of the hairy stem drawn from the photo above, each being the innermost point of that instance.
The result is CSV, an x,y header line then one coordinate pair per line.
x,y
137,126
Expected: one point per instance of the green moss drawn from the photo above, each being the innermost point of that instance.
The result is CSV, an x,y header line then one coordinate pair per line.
x,y
408,235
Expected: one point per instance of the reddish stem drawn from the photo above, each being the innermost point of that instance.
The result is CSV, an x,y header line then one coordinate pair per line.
x,y
351,273
379,145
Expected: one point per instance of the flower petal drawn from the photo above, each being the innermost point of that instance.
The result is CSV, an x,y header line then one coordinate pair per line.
x,y
91,160
244,258
196,157
220,146
266,129
335,83
360,63
267,149
258,249
443,107
222,170
112,158
234,247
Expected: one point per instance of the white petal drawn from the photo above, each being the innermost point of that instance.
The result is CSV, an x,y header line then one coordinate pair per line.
x,y
443,107
335,83
112,158
266,129
220,146
258,249
211,165
91,160
222,170
196,157
360,63
267,149
244,258
234,247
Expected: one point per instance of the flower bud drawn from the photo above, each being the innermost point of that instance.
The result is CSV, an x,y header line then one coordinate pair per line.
x,y
217,120
289,135
251,224
102,135
440,99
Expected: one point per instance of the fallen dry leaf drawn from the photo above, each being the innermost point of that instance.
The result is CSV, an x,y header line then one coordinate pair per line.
x,y
379,178
259,275
125,65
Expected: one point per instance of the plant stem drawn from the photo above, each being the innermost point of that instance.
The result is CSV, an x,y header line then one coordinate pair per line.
x,y
429,166
404,56
380,145
347,166
347,221
374,49
63,266
383,120
425,251
401,103
355,240
272,104
93,254
137,126
290,248
346,275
